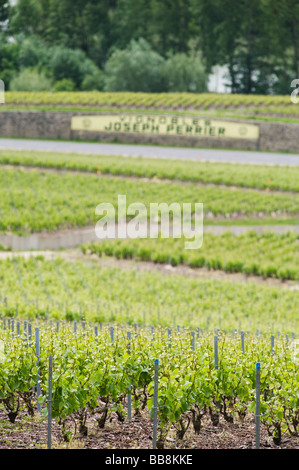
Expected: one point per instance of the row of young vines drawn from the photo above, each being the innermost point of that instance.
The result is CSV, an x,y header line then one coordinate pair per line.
x,y
96,367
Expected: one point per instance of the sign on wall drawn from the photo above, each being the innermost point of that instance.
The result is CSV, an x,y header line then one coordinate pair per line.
x,y
164,125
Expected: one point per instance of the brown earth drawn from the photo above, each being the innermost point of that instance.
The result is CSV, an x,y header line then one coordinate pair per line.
x,y
31,433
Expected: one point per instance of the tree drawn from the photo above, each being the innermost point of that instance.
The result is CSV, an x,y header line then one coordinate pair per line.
x,y
76,24
169,27
4,12
30,80
283,28
136,68
258,40
185,73
25,17
130,19
239,34
65,63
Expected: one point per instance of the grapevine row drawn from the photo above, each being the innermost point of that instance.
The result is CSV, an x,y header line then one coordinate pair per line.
x,y
264,177
93,374
37,201
165,100
267,255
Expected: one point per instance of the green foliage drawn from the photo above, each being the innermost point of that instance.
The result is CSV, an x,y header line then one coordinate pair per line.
x,y
32,52
65,63
29,60
264,107
35,201
75,25
65,84
62,289
137,68
30,80
253,39
267,255
265,177
92,376
4,10
17,378
257,40
185,73
94,81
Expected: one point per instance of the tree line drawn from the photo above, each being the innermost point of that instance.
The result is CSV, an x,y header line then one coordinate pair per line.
x,y
149,45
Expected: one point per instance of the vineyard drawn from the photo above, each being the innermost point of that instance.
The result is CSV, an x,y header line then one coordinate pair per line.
x,y
149,231
105,312
266,177
95,370
248,106
76,289
266,255
34,201
169,100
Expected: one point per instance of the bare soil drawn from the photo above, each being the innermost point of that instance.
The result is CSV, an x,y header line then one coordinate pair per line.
x,y
31,433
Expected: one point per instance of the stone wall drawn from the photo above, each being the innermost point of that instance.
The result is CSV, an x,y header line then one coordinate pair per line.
x,y
273,136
